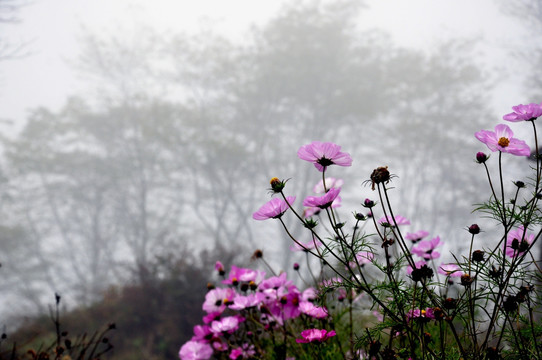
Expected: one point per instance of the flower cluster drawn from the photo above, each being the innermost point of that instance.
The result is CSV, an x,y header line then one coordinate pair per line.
x,y
252,307
387,294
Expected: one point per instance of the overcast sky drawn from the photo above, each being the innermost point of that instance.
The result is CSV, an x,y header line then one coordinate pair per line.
x,y
53,28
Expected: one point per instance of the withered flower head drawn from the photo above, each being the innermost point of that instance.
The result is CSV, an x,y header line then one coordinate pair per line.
x,y
380,175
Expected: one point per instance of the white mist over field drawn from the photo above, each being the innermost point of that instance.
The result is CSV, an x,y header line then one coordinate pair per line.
x,y
53,31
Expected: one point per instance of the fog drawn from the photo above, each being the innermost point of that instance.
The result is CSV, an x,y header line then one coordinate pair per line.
x,y
132,131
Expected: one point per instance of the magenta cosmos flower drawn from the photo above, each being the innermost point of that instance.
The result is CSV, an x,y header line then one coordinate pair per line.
x,y
389,221
502,140
323,201
518,241
246,351
452,270
273,209
315,335
524,112
195,350
426,248
417,236
330,183
244,275
324,154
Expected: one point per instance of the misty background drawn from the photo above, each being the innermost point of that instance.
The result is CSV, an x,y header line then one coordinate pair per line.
x,y
132,131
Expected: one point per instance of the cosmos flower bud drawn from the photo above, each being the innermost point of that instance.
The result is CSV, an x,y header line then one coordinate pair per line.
x,y
427,337
310,223
510,304
368,203
481,157
478,256
277,185
424,272
296,266
474,229
450,303
493,353
360,217
466,280
495,273
519,184
438,313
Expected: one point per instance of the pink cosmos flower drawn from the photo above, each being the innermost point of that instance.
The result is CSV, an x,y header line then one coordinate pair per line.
x,y
388,220
246,351
428,313
238,275
275,282
378,315
219,267
195,350
330,183
502,140
202,333
426,248
308,294
220,345
315,335
306,246
417,236
210,317
363,257
227,324
331,282
323,201
324,154
518,241
216,299
452,270
524,112
310,211
241,302
273,209
308,308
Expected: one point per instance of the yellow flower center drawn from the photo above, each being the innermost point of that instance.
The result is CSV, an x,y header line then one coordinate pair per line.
x,y
504,142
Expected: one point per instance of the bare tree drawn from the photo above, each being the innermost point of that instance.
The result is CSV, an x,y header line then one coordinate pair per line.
x,y
179,146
